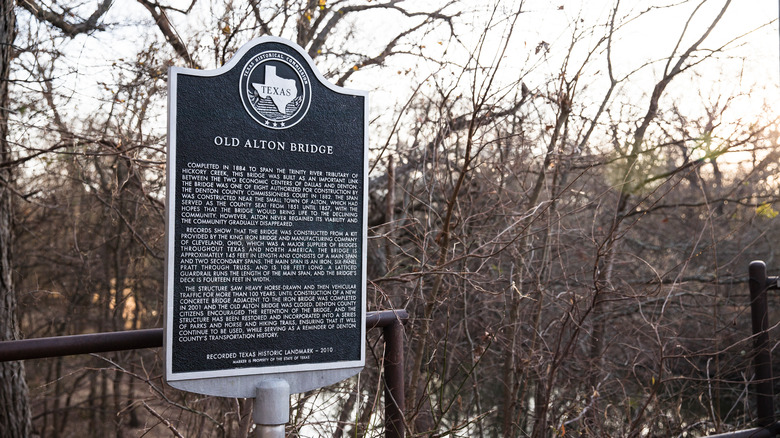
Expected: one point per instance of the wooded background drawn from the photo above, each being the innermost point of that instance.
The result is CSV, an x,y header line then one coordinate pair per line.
x,y
564,196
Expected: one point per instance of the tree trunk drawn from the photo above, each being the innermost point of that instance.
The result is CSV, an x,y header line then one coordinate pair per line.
x,y
15,418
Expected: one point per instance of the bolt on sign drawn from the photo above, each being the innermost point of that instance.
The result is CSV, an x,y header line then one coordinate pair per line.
x,y
266,224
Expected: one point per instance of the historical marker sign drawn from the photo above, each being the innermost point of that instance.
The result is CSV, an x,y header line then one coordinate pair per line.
x,y
266,223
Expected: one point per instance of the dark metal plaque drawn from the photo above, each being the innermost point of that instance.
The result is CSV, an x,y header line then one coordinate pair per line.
x,y
267,181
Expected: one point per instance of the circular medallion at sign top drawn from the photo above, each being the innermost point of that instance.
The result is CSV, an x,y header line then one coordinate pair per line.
x,y
275,89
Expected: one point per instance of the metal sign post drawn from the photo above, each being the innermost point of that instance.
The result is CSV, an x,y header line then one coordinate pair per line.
x,y
266,228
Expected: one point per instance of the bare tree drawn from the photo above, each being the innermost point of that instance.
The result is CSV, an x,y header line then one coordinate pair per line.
x,y
567,231
13,392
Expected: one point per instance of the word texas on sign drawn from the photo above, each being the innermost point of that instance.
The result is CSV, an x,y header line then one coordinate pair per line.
x,y
266,229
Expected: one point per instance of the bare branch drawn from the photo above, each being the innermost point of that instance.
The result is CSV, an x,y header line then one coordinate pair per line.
x,y
58,19
170,34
